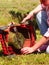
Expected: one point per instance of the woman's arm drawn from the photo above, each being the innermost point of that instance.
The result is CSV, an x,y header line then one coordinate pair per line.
x,y
27,50
31,14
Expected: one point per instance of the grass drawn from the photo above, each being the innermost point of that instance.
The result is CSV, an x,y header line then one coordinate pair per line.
x,y
38,35
31,59
22,6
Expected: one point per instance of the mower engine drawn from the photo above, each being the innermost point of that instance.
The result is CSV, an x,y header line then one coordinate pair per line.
x,y
25,36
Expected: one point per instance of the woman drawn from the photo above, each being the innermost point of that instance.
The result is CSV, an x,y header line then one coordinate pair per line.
x,y
42,15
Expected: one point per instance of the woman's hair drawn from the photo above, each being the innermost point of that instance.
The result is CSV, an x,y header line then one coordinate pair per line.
x,y
42,1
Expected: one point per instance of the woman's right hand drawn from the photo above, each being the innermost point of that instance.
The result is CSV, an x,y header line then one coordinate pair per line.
x,y
24,20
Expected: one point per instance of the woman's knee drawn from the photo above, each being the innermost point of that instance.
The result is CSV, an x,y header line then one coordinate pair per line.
x,y
41,19
38,15
41,15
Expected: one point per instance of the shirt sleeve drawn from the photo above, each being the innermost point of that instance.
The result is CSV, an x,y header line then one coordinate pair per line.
x,y
47,33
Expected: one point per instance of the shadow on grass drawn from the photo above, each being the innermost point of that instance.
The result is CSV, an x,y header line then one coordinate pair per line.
x,y
1,53
17,52
18,15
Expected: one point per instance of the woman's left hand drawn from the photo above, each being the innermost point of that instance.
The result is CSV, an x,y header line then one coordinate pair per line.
x,y
26,50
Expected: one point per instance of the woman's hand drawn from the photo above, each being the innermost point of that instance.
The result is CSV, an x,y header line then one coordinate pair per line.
x,y
23,21
26,50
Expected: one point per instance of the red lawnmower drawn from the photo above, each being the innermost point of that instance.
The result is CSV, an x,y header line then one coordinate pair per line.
x,y
25,36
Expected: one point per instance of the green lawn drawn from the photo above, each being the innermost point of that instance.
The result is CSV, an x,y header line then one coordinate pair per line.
x,y
31,59
22,6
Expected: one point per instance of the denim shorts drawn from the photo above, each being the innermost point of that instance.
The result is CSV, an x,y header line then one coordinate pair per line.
x,y
41,18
